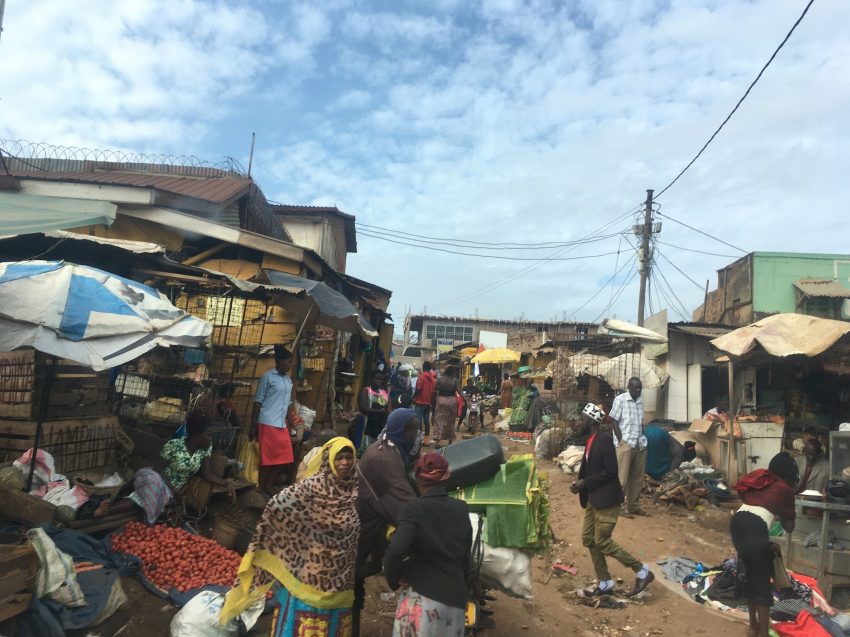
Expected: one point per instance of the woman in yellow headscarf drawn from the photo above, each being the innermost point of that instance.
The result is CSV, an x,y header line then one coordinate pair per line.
x,y
307,541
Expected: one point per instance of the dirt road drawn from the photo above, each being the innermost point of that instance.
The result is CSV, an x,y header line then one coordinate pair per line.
x,y
555,612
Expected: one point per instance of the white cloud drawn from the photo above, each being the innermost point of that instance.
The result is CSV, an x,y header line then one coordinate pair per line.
x,y
492,121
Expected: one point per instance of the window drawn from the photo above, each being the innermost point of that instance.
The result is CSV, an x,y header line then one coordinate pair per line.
x,y
820,306
448,332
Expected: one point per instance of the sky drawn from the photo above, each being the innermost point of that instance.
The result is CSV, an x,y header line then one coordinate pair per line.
x,y
522,123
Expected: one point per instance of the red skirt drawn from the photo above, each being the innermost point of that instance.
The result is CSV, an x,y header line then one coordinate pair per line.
x,y
275,445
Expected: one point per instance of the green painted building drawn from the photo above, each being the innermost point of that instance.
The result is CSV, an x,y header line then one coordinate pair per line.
x,y
764,283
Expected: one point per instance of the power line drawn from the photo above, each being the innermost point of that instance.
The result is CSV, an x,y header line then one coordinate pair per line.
x,y
711,254
740,101
603,286
478,245
682,272
670,304
681,305
530,268
482,256
682,223
617,296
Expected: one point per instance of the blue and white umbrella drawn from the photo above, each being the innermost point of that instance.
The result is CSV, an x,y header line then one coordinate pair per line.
x,y
87,315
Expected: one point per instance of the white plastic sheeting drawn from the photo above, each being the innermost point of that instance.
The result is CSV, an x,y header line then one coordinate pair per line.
x,y
87,315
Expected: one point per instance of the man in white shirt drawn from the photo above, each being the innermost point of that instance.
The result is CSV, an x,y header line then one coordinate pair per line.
x,y
627,414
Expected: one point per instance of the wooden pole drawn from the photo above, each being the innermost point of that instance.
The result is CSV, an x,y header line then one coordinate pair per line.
x,y
42,416
645,261
732,461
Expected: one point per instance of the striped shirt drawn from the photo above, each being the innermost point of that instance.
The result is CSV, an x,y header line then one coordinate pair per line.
x,y
629,415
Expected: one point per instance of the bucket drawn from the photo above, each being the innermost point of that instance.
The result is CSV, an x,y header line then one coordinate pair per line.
x,y
225,531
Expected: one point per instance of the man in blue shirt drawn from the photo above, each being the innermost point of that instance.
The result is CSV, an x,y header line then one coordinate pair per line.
x,y
274,412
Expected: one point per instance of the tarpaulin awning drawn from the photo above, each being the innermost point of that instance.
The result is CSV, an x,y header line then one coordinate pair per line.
x,y
784,335
87,315
332,308
496,355
24,214
622,329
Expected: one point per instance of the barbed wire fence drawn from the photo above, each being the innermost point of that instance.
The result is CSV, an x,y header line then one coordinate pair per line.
x,y
24,155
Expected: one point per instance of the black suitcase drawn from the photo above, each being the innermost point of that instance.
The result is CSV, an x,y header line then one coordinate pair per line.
x,y
473,461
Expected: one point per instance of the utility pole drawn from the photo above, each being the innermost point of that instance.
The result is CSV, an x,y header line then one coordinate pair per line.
x,y
645,261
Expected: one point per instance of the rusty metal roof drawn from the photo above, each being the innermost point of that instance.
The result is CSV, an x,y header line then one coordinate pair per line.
x,y
217,189
822,287
701,329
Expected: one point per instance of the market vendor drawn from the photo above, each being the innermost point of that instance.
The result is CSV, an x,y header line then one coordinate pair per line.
x,y
183,458
813,467
273,414
768,495
718,413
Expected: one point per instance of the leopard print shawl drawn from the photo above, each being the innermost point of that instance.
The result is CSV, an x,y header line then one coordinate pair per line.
x,y
312,529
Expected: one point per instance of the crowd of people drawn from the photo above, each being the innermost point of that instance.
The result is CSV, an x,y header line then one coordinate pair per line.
x,y
352,511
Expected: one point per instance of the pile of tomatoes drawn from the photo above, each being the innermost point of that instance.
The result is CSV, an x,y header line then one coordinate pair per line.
x,y
520,435
174,558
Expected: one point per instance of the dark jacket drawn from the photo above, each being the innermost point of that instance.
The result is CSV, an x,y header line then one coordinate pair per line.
x,y
431,548
599,472
384,490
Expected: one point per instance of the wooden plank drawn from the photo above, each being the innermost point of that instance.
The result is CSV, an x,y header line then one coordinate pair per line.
x,y
24,508
19,580
14,605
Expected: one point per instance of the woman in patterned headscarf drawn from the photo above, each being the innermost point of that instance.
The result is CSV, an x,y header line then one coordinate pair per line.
x,y
306,541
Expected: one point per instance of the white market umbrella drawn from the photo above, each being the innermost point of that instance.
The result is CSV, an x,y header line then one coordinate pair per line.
x,y
86,315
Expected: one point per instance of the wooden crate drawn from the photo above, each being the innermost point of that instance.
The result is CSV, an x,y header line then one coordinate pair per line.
x,y
76,445
27,509
76,391
18,568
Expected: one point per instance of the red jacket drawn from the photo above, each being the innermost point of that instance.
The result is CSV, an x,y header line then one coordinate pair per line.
x,y
425,388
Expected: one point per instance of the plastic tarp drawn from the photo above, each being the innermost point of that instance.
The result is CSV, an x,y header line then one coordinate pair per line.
x,y
332,308
516,503
87,315
622,329
24,214
784,335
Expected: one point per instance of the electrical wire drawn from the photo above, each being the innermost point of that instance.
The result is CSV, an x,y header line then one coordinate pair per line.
x,y
670,304
711,254
740,101
617,296
543,261
482,256
705,234
682,272
23,161
603,286
477,245
681,306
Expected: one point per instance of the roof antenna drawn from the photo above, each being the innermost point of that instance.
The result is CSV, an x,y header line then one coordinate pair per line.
x,y
251,156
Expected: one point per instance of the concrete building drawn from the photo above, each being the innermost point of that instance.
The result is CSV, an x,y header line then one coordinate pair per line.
x,y
764,283
432,334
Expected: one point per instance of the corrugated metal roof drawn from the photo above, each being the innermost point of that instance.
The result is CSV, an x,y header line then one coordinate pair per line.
x,y
347,219
701,329
212,189
822,287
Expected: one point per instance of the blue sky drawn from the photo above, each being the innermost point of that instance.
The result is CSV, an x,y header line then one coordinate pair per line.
x,y
491,121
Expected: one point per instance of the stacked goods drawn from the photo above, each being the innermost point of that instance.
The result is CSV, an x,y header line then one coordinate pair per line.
x,y
174,558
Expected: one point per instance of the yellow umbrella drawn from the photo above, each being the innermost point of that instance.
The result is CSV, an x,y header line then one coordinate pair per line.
x,y
496,355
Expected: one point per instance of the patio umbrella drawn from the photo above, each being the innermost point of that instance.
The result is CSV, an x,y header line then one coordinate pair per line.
x,y
496,355
86,315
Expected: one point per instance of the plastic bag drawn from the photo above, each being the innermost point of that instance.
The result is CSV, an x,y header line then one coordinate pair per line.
x,y
503,568
248,455
57,577
199,617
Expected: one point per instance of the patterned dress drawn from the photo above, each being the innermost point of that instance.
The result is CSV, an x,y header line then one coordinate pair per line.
x,y
182,465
